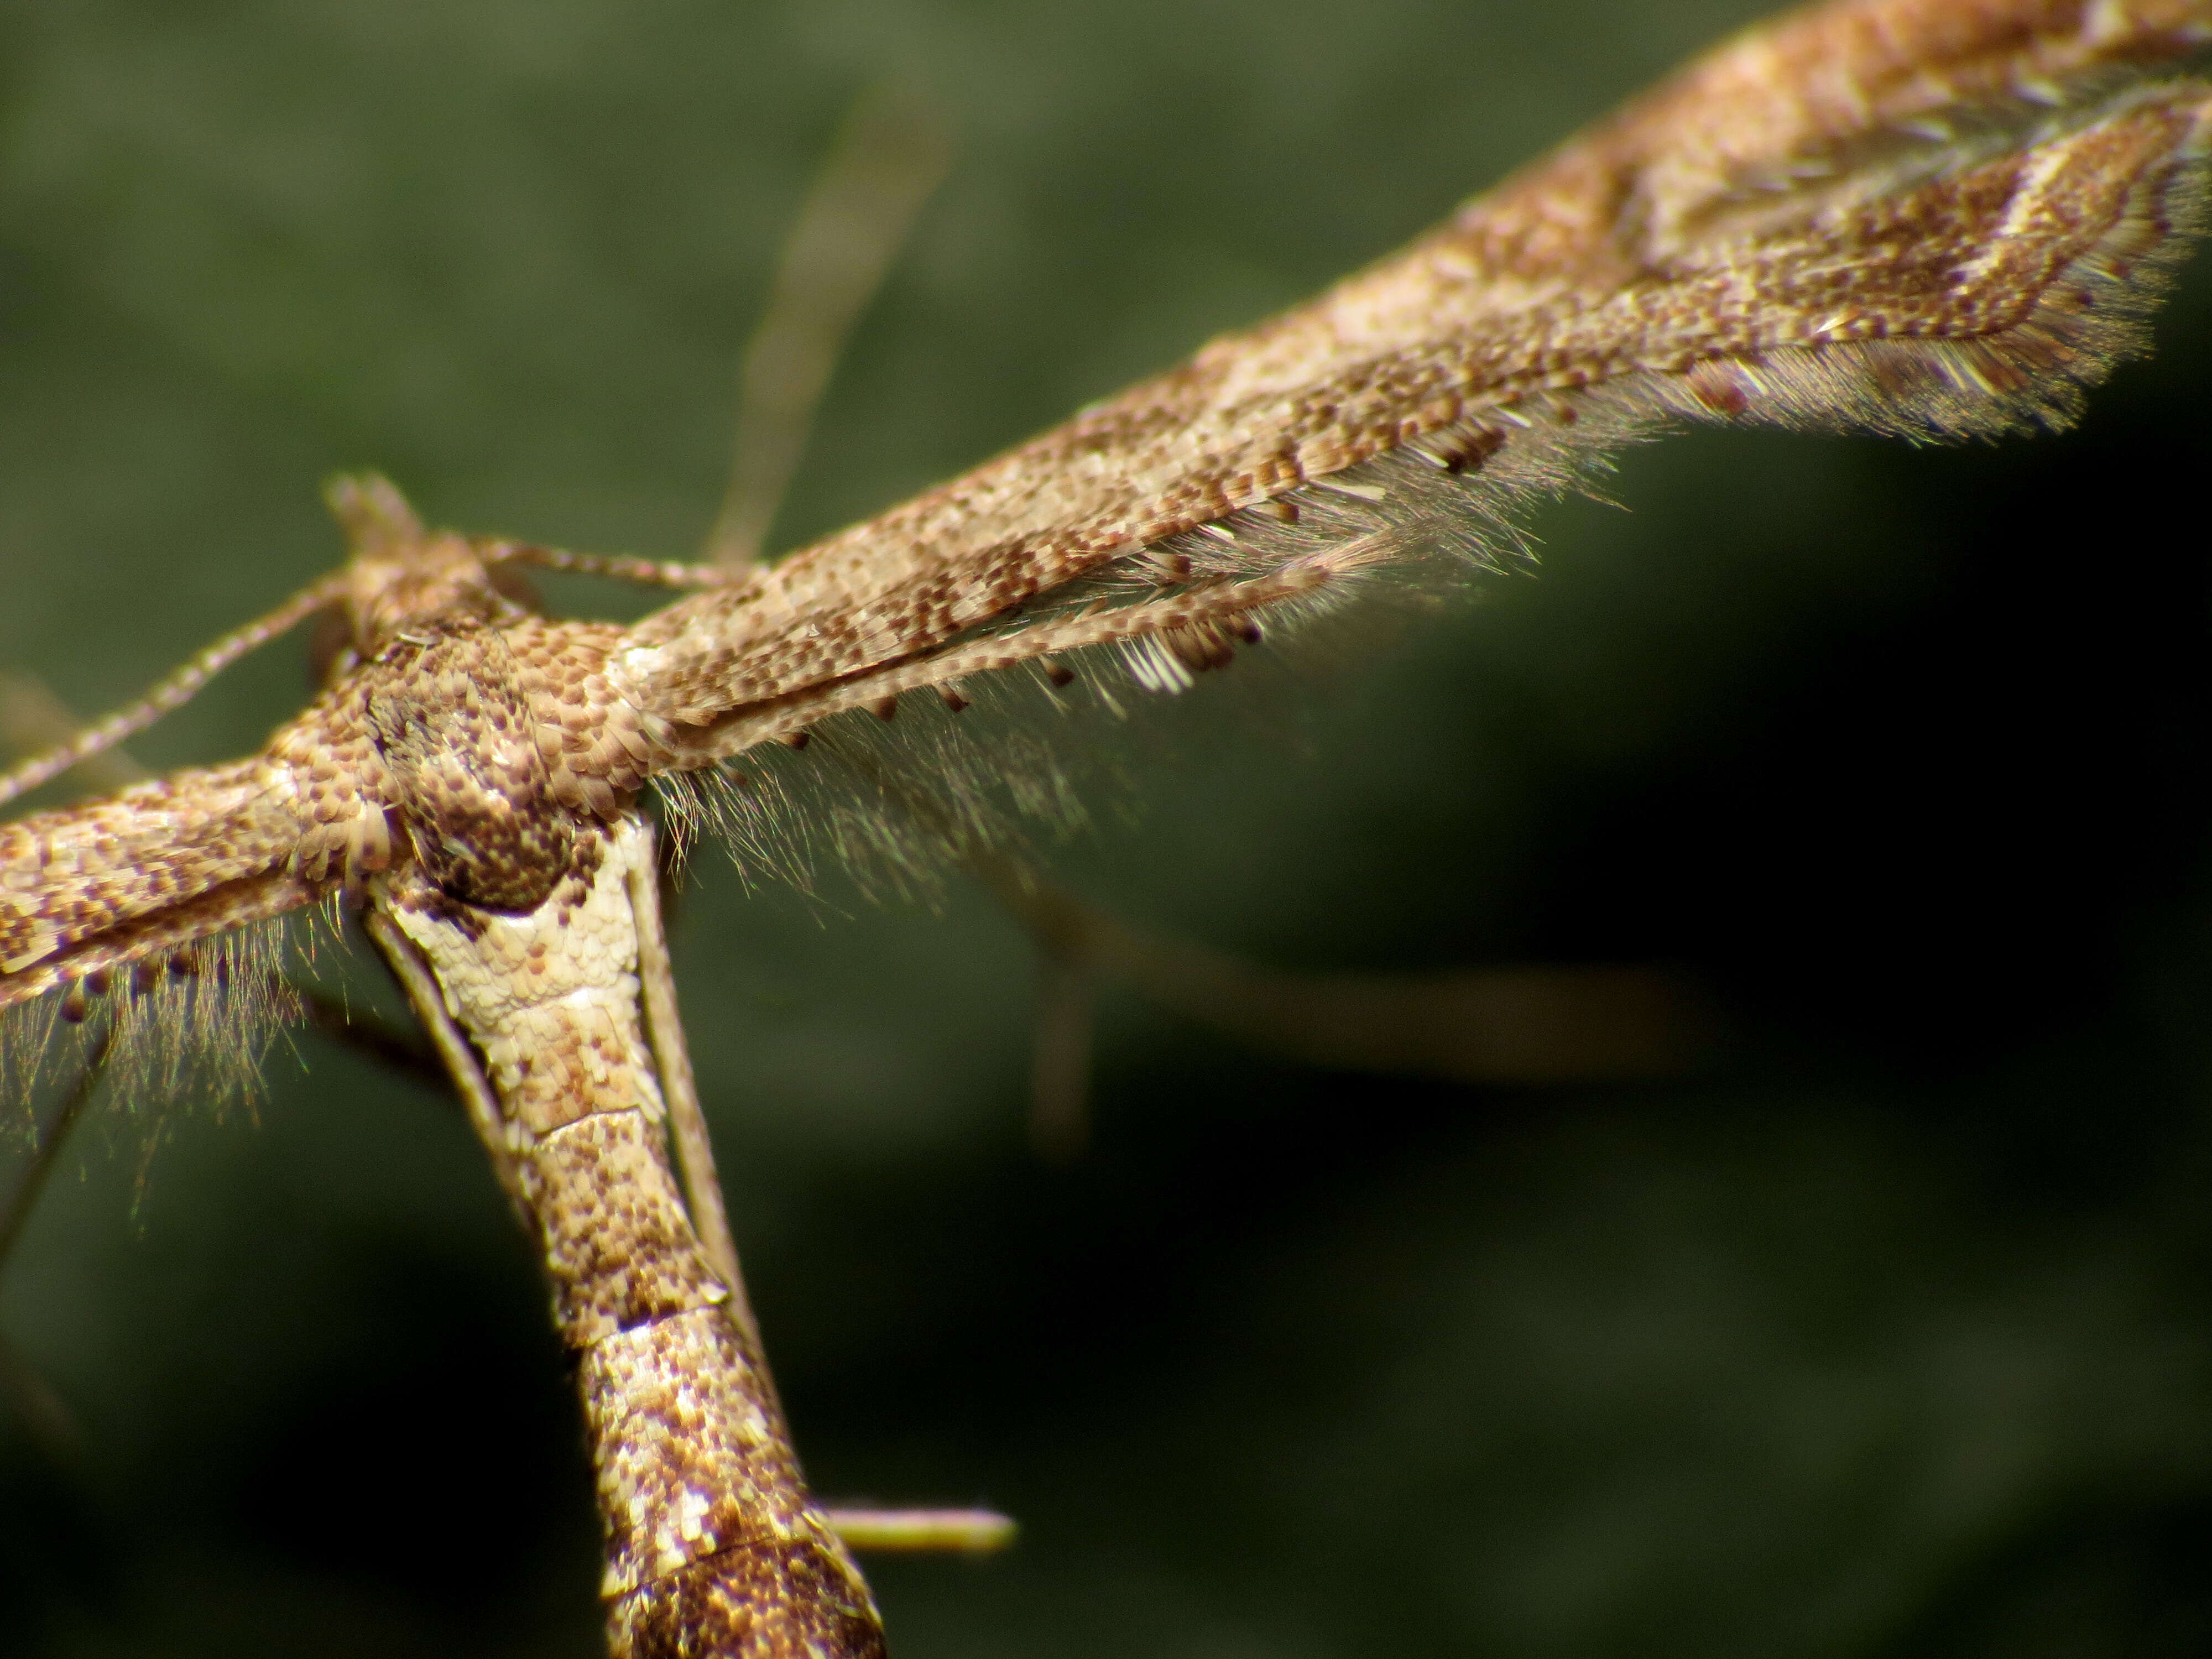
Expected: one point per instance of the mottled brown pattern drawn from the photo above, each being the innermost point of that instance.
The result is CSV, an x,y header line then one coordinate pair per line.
x,y
1970,300
1730,213
800,1600
690,1449
467,776
440,748
458,740
71,876
144,939
623,1252
1762,238
698,1486
1930,217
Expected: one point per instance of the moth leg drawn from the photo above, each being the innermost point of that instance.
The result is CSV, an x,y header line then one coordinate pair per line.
x,y
1060,1054
1518,1025
34,1401
453,1045
403,1051
889,159
679,1089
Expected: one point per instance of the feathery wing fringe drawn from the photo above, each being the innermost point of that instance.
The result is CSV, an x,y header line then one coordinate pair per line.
x,y
77,883
1965,287
203,999
1933,218
1421,403
140,908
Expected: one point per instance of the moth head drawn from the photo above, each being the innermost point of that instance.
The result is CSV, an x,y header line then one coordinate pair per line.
x,y
402,578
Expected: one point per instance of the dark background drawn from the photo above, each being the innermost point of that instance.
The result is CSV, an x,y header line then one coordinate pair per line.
x,y
1890,1335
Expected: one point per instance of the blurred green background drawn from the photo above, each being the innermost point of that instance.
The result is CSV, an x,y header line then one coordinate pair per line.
x,y
1890,1335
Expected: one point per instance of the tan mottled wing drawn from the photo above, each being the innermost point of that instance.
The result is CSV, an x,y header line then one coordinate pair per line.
x,y
1909,215
94,887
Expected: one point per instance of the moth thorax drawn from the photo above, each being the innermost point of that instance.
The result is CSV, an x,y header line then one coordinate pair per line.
x,y
461,751
438,581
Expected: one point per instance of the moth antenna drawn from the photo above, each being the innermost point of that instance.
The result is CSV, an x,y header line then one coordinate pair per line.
x,y
1484,1025
889,159
178,688
644,573
33,719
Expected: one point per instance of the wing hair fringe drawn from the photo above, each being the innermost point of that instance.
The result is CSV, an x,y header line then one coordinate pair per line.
x,y
1450,497
195,1022
1453,498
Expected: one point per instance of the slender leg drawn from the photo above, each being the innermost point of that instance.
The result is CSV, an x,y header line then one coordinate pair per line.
x,y
687,1123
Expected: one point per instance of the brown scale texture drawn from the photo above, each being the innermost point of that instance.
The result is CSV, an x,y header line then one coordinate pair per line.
x,y
1212,607
765,1600
462,752
691,1454
157,933
69,877
707,1518
616,1245
597,746
1934,216
339,785
470,753
1766,199
1772,234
